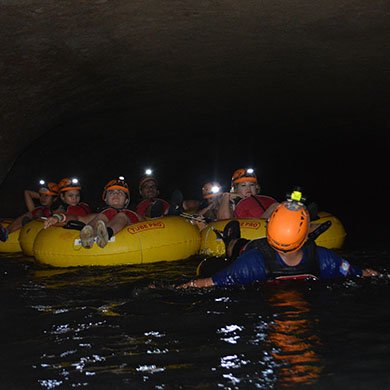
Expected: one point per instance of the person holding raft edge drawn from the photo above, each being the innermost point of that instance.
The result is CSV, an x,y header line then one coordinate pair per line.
x,y
286,253
46,195
68,206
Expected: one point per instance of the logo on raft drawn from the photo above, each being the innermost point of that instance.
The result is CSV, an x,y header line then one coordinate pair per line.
x,y
146,226
250,225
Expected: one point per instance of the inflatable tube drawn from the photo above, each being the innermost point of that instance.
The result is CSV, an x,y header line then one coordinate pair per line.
x,y
211,245
27,236
12,244
162,239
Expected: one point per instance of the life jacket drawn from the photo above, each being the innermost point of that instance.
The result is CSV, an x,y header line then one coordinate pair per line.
x,y
310,269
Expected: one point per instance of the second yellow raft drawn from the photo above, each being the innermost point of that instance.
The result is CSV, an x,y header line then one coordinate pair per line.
x,y
211,245
12,243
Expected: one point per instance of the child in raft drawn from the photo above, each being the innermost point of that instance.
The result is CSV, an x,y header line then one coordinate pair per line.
x,y
68,206
46,195
112,219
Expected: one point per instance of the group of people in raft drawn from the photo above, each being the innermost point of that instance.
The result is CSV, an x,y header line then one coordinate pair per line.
x,y
287,251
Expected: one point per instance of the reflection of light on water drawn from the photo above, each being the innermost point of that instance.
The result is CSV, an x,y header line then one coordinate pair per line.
x,y
293,340
151,369
49,383
231,332
233,361
231,378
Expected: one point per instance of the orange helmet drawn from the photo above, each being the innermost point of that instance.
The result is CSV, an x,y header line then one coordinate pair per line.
x,y
242,175
116,184
68,184
211,190
288,227
50,189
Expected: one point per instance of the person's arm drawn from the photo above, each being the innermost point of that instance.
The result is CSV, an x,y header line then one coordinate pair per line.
x,y
333,266
368,273
246,269
225,210
55,219
29,197
197,283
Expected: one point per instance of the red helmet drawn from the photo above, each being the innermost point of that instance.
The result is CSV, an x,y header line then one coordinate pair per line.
x,y
116,184
288,227
243,175
50,189
211,190
68,184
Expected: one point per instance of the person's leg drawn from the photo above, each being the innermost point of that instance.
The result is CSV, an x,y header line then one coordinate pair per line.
x,y
89,231
18,222
106,229
87,218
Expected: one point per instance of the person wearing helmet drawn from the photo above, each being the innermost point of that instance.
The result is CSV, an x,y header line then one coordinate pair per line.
x,y
68,206
285,253
46,195
200,212
243,200
151,205
211,195
112,219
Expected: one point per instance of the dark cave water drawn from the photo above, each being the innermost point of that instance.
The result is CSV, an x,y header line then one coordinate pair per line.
x,y
102,327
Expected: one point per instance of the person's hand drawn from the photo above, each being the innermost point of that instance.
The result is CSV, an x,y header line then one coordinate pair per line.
x,y
50,222
55,218
230,196
368,272
233,196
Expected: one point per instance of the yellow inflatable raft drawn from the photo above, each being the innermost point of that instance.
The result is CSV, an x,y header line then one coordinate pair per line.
x,y
164,239
12,243
211,245
28,234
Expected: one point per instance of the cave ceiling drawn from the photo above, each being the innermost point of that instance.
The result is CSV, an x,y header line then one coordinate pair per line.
x,y
128,71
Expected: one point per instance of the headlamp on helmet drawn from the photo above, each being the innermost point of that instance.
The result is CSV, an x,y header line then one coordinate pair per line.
x,y
296,196
211,190
50,188
147,177
69,184
243,175
116,184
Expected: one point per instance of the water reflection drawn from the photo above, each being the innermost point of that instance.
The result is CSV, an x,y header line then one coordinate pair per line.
x,y
102,328
295,339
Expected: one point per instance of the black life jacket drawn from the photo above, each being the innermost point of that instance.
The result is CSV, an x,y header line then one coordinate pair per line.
x,y
275,270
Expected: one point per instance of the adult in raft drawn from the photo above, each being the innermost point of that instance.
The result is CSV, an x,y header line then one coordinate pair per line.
x,y
68,207
285,253
112,219
46,194
150,205
244,201
200,212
